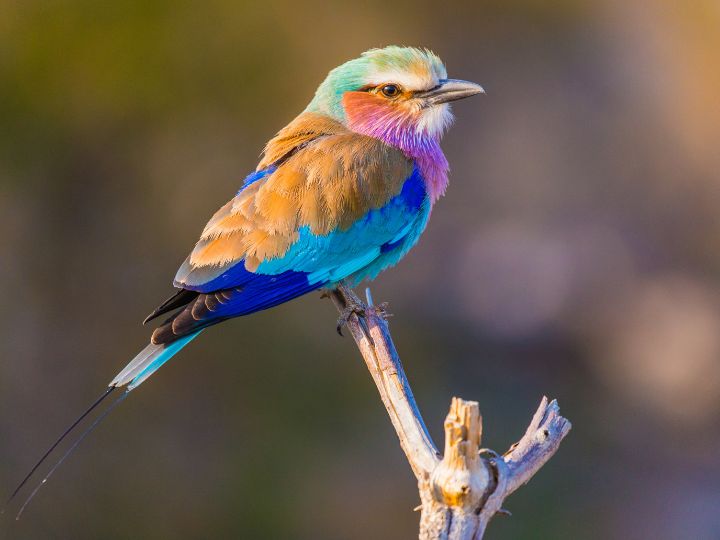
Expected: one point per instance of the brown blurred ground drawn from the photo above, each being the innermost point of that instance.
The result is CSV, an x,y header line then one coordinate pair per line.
x,y
577,254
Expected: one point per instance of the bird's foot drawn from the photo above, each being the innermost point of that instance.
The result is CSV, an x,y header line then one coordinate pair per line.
x,y
353,307
382,311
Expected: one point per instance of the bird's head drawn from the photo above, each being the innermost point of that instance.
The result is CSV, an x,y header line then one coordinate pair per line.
x,y
398,94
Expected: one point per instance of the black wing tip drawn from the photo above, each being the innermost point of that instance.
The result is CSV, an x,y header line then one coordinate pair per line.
x,y
179,299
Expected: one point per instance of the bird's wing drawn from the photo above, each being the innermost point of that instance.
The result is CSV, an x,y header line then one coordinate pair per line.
x,y
325,204
292,213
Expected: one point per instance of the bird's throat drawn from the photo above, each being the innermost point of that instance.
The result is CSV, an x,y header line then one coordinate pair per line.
x,y
401,128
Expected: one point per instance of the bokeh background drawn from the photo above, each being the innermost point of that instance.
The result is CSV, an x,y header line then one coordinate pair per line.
x,y
576,254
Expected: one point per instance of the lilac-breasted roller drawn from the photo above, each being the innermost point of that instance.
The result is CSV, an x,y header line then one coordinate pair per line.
x,y
341,193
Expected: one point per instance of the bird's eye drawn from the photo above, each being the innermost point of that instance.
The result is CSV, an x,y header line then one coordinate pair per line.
x,y
390,90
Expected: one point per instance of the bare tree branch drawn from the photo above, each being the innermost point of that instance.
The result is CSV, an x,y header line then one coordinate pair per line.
x,y
463,490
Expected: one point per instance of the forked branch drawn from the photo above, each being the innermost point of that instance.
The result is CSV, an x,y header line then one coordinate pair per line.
x,y
463,489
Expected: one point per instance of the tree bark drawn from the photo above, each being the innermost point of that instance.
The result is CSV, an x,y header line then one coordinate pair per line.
x,y
463,489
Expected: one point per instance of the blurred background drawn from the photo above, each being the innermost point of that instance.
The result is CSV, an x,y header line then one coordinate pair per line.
x,y
576,254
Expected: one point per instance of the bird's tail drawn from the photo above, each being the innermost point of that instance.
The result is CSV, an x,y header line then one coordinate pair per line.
x,y
147,362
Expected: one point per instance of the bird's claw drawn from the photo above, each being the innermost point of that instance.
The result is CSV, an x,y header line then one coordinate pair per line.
x,y
382,310
353,308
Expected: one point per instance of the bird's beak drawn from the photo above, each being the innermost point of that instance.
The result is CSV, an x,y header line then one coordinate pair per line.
x,y
449,90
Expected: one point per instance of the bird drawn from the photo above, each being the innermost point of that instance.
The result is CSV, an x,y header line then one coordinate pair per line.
x,y
340,194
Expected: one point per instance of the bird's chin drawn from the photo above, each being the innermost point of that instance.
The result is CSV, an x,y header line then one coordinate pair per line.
x,y
434,121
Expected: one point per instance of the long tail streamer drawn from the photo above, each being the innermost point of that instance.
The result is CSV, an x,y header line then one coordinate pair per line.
x,y
90,409
145,363
70,450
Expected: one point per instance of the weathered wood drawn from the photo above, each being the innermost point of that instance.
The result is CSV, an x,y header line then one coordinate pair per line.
x,y
462,491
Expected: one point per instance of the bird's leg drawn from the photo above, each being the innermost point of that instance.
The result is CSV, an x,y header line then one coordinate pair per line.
x,y
353,305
